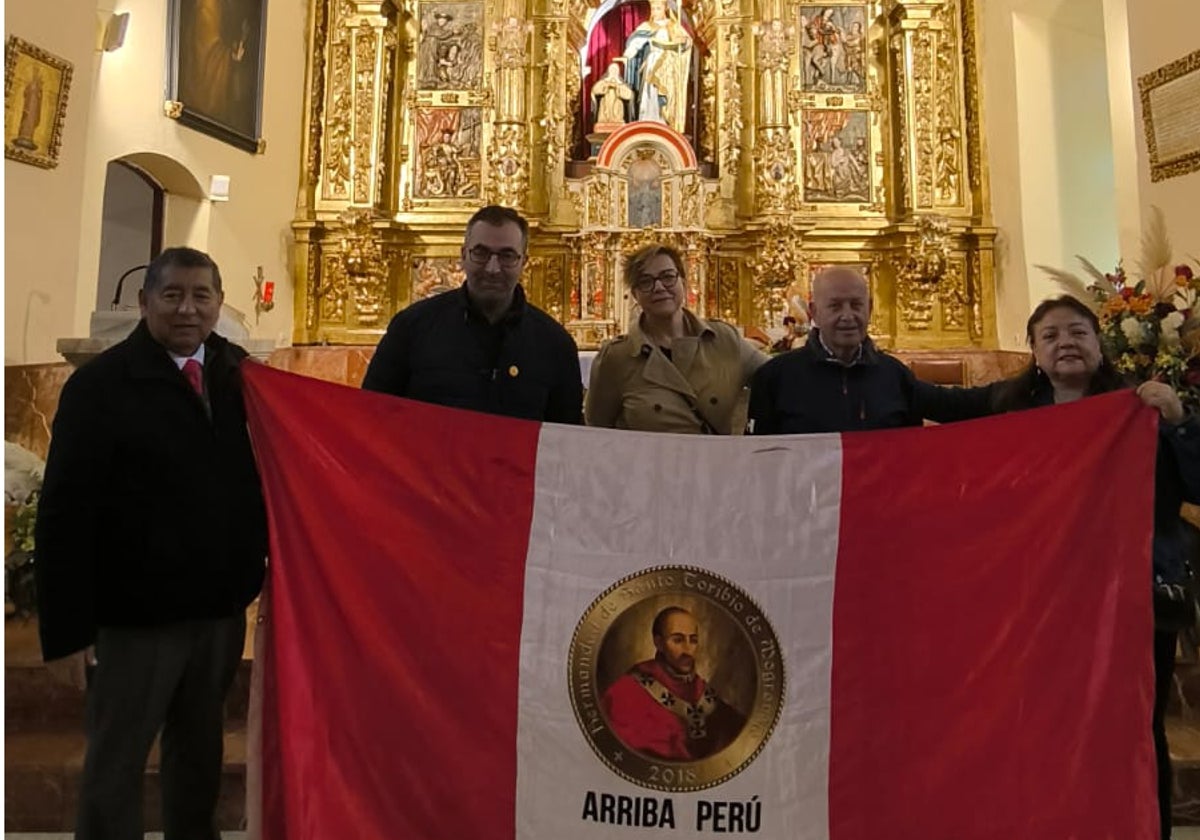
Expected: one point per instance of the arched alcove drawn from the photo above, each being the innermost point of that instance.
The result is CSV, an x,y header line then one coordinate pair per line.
x,y
151,201
131,231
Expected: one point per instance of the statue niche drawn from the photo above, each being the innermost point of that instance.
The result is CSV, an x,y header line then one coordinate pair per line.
x,y
641,64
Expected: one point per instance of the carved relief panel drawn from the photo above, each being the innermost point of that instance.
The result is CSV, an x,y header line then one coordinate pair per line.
x,y
827,131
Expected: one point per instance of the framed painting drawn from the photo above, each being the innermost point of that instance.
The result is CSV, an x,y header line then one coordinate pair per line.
x,y
36,84
1171,117
448,163
837,156
833,48
450,46
215,51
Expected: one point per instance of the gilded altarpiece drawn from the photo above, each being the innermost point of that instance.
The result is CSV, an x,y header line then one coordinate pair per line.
x,y
814,134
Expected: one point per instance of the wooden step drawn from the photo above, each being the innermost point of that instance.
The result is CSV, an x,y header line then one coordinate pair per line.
x,y
42,772
44,744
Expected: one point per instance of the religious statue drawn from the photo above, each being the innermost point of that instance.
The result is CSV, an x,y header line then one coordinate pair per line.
x,y
659,59
613,93
31,112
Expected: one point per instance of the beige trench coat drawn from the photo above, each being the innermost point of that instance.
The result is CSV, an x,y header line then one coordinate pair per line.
x,y
633,385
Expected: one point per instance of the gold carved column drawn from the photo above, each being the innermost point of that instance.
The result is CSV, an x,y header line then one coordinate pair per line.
x,y
944,260
775,264
508,151
347,189
774,152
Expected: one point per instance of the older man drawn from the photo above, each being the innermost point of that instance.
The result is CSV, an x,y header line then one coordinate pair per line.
x,y
483,346
839,381
661,707
151,540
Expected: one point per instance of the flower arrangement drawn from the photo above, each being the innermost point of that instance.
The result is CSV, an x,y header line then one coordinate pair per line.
x,y
19,590
21,524
1150,325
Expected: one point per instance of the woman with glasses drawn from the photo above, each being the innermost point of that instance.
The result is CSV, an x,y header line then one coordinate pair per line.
x,y
674,371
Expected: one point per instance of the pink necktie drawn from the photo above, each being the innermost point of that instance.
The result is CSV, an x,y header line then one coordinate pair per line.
x,y
193,371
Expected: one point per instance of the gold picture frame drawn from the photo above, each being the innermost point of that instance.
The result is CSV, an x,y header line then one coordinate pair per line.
x,y
36,85
216,57
1171,117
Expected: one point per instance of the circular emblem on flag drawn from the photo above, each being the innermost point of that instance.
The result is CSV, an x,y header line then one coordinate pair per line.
x,y
676,678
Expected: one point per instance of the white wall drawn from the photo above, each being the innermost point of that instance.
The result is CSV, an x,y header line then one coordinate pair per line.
x,y
1161,31
41,219
120,113
1050,136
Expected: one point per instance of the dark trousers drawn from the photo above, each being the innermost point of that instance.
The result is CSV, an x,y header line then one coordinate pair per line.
x,y
1164,673
172,678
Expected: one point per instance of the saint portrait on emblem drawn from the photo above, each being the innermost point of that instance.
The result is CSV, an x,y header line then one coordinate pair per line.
x,y
676,678
661,707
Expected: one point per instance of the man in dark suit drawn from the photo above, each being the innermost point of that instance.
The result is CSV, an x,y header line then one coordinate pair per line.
x,y
484,346
151,539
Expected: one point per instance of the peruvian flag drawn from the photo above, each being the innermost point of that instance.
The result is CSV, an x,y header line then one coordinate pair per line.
x,y
489,628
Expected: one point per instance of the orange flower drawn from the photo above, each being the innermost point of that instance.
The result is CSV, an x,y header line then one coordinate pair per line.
x,y
1115,305
1141,304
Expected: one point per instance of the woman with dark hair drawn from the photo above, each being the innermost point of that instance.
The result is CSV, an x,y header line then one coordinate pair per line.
x,y
1069,364
674,371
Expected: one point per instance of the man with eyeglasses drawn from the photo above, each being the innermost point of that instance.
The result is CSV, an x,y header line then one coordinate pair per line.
x,y
483,346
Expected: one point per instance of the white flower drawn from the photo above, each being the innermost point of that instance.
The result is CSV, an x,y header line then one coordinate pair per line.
x,y
1170,329
1132,328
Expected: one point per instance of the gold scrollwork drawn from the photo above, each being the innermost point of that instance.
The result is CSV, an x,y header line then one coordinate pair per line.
x,y
313,299
776,265
363,264
923,112
975,293
365,54
508,157
332,291
511,36
728,298
553,118
774,44
690,213
598,201
921,270
970,58
552,286
733,123
903,159
948,155
316,92
953,297
775,167
708,110
339,139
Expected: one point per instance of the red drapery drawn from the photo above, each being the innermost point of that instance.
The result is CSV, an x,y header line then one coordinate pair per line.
x,y
606,42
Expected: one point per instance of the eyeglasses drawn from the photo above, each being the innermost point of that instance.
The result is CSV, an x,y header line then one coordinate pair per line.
x,y
646,282
507,257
